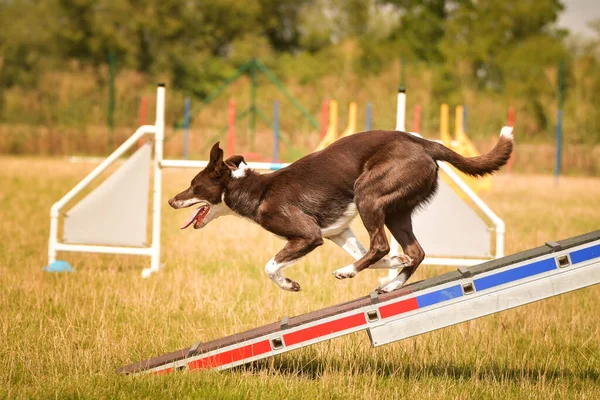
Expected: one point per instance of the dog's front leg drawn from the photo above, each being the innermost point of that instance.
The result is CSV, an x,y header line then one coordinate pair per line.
x,y
292,251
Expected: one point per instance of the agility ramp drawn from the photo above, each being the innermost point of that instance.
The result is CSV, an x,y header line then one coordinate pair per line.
x,y
462,295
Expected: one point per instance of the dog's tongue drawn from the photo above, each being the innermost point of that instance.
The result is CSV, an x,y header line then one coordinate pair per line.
x,y
192,218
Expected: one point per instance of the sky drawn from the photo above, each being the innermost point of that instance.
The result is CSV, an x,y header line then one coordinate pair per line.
x,y
577,14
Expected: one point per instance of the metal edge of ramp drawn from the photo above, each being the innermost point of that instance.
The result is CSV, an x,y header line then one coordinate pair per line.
x,y
375,312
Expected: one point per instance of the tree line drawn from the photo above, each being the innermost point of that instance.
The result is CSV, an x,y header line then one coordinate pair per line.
x,y
486,47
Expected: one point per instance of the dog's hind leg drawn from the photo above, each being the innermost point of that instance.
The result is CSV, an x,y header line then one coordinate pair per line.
x,y
401,227
373,219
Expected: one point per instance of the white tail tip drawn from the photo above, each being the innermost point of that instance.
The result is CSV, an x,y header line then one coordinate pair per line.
x,y
507,132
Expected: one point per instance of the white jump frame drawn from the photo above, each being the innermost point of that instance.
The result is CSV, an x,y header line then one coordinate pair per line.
x,y
153,251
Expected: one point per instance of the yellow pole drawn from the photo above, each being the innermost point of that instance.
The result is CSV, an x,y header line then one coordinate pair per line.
x,y
444,126
333,118
458,124
331,134
351,128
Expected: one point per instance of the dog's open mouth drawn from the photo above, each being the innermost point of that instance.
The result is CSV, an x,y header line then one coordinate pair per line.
x,y
197,217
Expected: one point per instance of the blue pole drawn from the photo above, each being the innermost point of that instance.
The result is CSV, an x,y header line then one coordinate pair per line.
x,y
276,131
368,117
464,119
558,145
186,126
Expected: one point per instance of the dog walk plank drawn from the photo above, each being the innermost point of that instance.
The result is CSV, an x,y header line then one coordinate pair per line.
x,y
386,310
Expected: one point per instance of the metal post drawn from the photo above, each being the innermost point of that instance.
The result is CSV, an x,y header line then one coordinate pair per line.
x,y
186,126
400,126
324,118
276,131
417,119
157,192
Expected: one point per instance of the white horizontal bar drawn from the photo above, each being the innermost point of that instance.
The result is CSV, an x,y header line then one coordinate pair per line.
x,y
85,248
263,166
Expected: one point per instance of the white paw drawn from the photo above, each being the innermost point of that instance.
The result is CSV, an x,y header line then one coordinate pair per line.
x,y
390,287
349,271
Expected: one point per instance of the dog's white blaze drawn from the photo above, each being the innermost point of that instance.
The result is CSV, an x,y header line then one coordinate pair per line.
x,y
273,271
341,224
240,172
350,243
507,132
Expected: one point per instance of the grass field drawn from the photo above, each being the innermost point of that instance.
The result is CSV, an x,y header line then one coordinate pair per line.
x,y
63,335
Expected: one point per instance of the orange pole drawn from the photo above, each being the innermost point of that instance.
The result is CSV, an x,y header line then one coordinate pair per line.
x,y
417,119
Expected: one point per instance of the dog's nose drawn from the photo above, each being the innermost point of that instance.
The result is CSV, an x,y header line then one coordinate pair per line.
x,y
171,201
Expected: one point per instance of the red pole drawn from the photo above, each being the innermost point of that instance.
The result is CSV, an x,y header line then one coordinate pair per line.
x,y
417,119
324,117
143,109
511,123
231,127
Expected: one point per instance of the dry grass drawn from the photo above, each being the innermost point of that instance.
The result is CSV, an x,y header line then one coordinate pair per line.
x,y
64,335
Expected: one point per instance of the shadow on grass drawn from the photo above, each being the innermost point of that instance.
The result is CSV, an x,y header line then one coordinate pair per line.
x,y
314,367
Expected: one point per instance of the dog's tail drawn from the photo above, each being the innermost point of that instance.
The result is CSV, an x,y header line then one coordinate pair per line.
x,y
480,165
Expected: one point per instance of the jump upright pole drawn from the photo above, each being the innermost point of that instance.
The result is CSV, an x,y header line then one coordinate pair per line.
x,y
400,126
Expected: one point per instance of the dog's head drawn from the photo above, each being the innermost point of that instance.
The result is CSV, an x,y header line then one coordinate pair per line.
x,y
207,189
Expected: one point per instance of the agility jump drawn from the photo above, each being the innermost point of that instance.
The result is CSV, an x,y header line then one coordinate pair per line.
x,y
124,232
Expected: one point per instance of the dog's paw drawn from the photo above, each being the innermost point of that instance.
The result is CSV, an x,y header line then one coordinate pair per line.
x,y
390,287
349,271
292,286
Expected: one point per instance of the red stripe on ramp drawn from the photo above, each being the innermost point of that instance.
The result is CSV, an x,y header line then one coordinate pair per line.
x,y
398,308
230,356
163,371
326,328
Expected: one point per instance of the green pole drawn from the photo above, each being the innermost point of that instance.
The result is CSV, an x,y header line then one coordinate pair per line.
x,y
253,103
402,72
111,99
287,94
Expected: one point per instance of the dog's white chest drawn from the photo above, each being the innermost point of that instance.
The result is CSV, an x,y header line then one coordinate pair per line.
x,y
341,224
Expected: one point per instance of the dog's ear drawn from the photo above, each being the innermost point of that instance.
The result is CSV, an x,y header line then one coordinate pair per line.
x,y
233,162
216,157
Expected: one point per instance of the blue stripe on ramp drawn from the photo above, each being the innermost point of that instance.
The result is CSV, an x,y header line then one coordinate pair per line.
x,y
515,274
585,254
439,296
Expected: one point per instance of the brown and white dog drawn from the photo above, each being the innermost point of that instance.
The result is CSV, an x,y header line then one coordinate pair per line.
x,y
381,175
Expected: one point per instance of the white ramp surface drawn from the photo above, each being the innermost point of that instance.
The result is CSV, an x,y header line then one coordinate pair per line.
x,y
116,212
449,227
